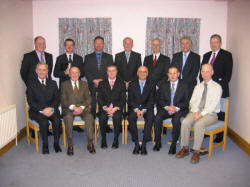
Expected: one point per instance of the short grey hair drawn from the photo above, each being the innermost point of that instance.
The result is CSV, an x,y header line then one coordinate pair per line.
x,y
186,38
42,63
127,38
156,39
216,36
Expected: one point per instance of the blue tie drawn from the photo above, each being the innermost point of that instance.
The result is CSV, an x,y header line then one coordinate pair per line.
x,y
172,93
183,63
141,86
98,60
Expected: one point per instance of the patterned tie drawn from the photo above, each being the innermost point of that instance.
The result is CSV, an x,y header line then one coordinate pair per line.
x,y
75,88
154,63
172,93
43,85
98,60
183,63
42,58
213,59
141,87
203,98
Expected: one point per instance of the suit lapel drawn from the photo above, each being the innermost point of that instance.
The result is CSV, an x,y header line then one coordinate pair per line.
x,y
36,58
188,61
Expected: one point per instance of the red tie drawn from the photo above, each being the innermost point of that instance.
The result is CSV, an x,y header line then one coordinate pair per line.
x,y
212,61
43,85
154,64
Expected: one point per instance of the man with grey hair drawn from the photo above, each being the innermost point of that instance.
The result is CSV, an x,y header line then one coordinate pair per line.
x,y
43,98
188,63
204,106
127,62
30,60
157,63
222,63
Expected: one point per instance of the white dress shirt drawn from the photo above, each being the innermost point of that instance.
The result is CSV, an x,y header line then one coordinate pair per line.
x,y
71,56
212,54
185,54
157,55
71,107
212,104
40,80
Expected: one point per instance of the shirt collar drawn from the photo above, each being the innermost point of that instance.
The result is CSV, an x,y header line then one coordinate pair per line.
x,y
72,54
156,54
216,52
40,80
186,53
142,81
209,82
73,82
111,80
98,53
176,82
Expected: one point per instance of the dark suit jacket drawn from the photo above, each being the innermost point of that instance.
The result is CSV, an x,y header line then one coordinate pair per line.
x,y
116,96
223,66
158,72
28,67
68,98
62,64
191,68
146,99
91,68
128,71
181,98
39,98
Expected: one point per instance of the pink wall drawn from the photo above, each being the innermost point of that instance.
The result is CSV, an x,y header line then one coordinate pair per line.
x,y
128,18
238,43
16,39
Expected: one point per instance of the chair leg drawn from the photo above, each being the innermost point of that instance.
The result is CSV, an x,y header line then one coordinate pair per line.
x,y
153,136
36,141
211,138
63,135
126,132
224,140
123,124
95,127
28,134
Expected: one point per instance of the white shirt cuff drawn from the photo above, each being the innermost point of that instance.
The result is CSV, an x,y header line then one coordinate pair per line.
x,y
71,107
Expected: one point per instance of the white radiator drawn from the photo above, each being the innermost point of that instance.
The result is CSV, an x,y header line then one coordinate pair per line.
x,y
8,125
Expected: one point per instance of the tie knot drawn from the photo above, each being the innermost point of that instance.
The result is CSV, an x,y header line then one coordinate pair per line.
x,y
173,84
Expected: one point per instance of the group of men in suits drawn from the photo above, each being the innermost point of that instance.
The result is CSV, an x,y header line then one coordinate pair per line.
x,y
157,83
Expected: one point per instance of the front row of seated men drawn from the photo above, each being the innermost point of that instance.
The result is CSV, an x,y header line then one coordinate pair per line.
x,y
171,96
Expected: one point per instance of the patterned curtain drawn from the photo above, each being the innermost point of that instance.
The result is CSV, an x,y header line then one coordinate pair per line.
x,y
170,31
83,31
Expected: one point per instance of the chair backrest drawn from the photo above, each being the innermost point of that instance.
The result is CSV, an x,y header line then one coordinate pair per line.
x,y
224,107
26,110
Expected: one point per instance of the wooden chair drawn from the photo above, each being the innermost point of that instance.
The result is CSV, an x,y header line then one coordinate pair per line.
x,y
217,127
140,125
35,126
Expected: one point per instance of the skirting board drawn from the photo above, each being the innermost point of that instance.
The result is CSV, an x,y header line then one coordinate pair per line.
x,y
241,142
21,135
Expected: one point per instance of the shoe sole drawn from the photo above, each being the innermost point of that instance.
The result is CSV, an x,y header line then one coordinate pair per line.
x,y
182,156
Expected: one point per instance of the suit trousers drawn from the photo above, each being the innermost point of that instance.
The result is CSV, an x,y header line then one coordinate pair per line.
x,y
89,125
132,119
117,122
176,117
199,129
93,92
43,122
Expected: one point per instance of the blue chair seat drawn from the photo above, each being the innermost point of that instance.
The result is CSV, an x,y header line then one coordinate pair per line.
x,y
35,123
216,125
169,120
109,119
77,119
141,120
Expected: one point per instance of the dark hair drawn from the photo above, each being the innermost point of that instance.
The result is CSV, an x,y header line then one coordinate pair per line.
x,y
37,37
216,36
111,65
69,40
173,67
99,37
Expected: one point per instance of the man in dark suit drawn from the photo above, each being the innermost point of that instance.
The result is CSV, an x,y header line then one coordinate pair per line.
x,y
127,62
173,102
95,67
157,63
64,62
75,100
222,62
43,99
111,99
67,60
141,105
188,64
30,60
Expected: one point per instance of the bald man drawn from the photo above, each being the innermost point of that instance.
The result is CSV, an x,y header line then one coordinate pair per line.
x,y
141,106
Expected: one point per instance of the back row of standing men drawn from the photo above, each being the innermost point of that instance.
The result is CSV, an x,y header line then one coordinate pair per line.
x,y
127,62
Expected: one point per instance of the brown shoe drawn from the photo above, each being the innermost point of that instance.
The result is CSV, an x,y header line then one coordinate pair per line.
x,y
195,158
70,151
184,152
91,148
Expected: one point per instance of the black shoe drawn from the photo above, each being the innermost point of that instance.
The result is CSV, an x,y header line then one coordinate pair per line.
x,y
115,144
57,148
164,130
157,146
144,150
45,149
136,150
172,150
32,132
50,133
218,139
104,144
108,129
77,128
